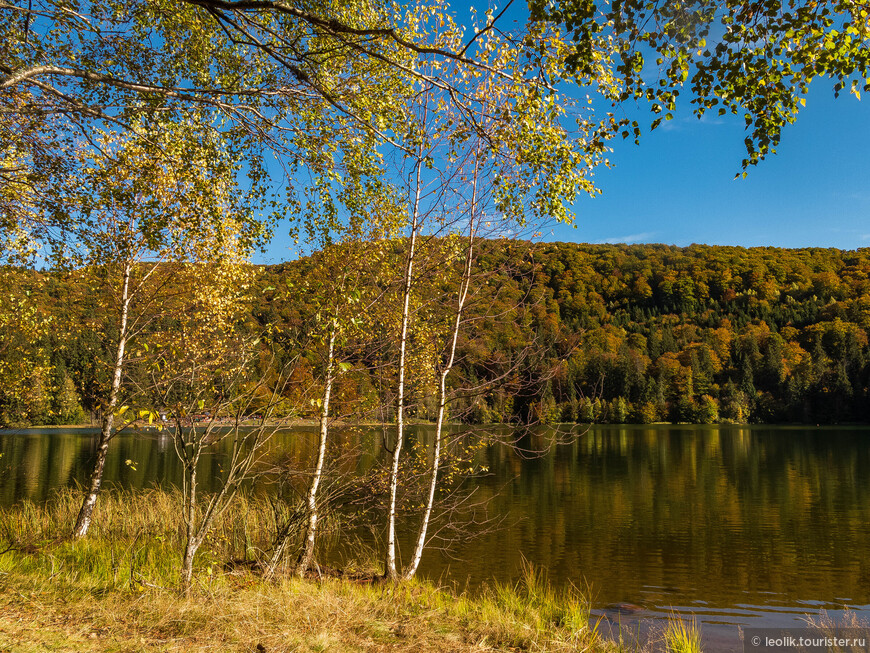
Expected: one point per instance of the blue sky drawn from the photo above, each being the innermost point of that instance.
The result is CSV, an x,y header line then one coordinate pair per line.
x,y
678,187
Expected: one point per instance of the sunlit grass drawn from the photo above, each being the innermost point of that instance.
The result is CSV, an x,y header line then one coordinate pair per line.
x,y
682,636
135,536
119,585
527,613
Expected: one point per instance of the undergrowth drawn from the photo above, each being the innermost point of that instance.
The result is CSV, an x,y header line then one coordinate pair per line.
x,y
116,590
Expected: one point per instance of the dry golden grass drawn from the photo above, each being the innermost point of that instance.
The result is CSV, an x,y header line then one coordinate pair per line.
x,y
116,591
242,613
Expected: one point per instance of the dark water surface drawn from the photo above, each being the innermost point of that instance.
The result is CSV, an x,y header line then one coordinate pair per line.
x,y
740,526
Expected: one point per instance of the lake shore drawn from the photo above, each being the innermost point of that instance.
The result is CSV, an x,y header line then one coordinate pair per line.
x,y
143,425
118,590
243,613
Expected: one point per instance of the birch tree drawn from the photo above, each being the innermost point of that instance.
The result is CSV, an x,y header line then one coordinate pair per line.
x,y
449,358
203,374
138,208
343,307
510,109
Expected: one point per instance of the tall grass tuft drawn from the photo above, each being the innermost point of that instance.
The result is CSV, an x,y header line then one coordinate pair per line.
x,y
527,613
682,636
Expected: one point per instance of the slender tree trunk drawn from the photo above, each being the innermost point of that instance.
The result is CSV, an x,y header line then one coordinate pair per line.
x,y
198,527
187,566
442,396
86,512
390,569
307,554
193,542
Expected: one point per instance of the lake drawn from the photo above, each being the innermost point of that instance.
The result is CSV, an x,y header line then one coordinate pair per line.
x,y
739,526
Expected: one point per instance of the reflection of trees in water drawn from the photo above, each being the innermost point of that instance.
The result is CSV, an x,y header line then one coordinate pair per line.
x,y
36,462
715,511
32,464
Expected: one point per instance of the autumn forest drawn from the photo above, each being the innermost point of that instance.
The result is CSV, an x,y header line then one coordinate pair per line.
x,y
554,333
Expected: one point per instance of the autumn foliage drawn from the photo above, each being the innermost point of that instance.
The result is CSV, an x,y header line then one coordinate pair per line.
x,y
620,334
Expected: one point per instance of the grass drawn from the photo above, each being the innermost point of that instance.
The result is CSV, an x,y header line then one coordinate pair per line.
x,y
115,591
682,636
847,626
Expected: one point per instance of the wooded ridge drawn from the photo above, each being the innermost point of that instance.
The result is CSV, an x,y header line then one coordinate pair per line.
x,y
556,332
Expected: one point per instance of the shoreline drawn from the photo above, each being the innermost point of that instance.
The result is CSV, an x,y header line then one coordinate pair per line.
x,y
313,423
118,589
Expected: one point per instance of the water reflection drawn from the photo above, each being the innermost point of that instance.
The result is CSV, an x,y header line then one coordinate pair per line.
x,y
735,524
754,526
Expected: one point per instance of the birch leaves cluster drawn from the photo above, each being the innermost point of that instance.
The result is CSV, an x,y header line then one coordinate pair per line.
x,y
751,59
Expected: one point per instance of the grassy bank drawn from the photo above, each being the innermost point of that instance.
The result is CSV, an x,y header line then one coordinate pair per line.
x,y
117,591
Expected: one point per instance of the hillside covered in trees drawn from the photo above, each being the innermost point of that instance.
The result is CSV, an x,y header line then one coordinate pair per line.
x,y
706,334
556,333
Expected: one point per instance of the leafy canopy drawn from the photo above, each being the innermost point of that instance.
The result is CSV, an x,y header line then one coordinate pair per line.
x,y
751,58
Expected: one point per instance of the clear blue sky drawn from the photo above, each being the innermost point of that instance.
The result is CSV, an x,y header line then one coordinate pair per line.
x,y
678,187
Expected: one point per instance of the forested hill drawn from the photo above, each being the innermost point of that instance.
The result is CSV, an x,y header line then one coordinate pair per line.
x,y
559,332
712,333
644,333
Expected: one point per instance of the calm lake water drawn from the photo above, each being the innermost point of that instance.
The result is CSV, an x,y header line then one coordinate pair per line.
x,y
740,526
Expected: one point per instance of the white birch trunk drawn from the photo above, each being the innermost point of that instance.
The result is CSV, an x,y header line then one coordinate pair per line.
x,y
307,554
83,521
390,569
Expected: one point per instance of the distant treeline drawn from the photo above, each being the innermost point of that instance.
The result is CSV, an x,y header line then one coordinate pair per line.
x,y
560,333
706,334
